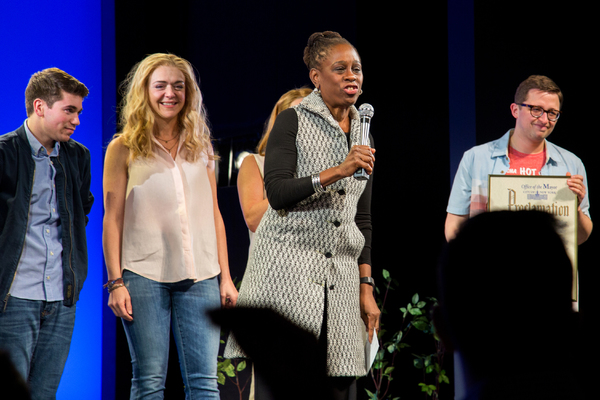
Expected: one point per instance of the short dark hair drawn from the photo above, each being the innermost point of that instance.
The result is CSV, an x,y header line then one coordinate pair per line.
x,y
49,84
539,82
318,47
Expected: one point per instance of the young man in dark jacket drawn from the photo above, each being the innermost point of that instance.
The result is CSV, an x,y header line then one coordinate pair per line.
x,y
44,201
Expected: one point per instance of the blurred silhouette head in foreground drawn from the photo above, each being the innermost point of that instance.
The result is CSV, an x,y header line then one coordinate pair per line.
x,y
505,303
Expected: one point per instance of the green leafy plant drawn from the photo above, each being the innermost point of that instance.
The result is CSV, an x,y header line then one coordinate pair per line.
x,y
229,369
430,364
415,316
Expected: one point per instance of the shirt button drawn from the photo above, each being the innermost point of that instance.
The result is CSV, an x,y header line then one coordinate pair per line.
x,y
341,192
51,253
331,287
328,255
337,224
47,230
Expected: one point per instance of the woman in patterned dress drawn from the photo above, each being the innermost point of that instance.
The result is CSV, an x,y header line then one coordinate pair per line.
x,y
311,257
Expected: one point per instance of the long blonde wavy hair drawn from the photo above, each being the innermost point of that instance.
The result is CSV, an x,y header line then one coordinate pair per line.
x,y
137,117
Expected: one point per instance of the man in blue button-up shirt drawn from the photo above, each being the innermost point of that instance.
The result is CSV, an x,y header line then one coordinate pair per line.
x,y
523,150
44,201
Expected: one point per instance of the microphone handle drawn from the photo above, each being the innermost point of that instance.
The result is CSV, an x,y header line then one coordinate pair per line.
x,y
365,124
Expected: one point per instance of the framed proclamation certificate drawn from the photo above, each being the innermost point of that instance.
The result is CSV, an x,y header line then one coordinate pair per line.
x,y
544,193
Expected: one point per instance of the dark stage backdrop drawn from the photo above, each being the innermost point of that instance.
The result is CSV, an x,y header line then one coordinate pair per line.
x,y
512,43
249,53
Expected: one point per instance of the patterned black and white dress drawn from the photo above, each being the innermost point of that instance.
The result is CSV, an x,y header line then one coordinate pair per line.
x,y
308,245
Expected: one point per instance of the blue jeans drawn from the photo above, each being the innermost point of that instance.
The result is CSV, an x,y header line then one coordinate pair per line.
x,y
37,335
181,305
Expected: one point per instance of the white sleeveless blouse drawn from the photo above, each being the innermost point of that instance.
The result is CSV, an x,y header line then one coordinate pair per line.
x,y
169,229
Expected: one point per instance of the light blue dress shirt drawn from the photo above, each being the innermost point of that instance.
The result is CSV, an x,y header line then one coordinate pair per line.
x,y
471,181
40,273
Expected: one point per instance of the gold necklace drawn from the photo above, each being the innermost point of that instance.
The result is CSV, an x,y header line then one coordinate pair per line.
x,y
168,140
169,149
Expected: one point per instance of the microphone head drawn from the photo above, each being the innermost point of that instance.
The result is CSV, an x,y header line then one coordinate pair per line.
x,y
366,110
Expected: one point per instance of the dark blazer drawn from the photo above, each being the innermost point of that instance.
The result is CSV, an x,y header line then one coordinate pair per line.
x,y
74,198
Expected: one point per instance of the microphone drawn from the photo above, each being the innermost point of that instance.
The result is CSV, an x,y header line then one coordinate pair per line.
x,y
366,112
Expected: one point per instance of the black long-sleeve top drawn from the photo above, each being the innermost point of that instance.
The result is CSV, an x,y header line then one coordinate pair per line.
x,y
285,191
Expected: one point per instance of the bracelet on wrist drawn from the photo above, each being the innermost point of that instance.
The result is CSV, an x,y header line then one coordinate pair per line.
x,y
316,182
112,285
116,285
368,280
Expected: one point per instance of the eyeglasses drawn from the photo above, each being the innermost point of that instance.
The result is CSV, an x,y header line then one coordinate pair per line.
x,y
537,111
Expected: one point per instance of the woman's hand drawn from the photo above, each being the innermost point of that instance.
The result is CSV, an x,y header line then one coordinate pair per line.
x,y
358,157
229,293
369,311
119,302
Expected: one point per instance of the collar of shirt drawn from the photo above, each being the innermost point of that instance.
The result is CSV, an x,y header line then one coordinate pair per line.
x,y
501,150
37,149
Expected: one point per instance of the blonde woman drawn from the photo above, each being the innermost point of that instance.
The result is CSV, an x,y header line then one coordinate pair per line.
x,y
164,238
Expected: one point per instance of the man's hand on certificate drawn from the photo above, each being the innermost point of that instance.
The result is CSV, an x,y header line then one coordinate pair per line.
x,y
576,185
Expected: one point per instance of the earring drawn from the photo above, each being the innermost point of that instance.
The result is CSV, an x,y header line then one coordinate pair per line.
x,y
360,92
317,90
